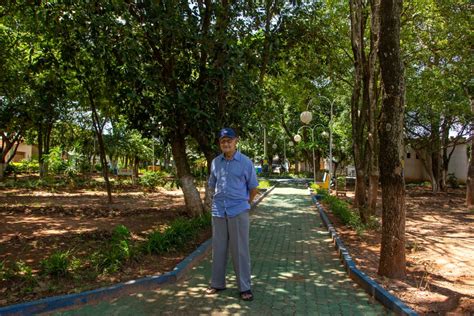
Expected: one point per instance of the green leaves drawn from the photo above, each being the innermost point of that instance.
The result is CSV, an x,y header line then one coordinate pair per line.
x,y
177,234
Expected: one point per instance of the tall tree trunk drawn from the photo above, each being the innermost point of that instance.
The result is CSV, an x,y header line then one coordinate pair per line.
x,y
470,172
44,137
209,154
98,127
191,194
42,168
206,147
435,147
373,88
3,166
392,253
135,176
359,104
444,164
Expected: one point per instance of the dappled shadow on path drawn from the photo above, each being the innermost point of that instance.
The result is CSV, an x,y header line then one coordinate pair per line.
x,y
295,270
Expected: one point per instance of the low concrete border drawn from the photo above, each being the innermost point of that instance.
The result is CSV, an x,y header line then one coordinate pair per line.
x,y
368,284
68,301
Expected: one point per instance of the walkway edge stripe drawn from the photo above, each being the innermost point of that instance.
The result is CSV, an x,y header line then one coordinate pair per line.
x,y
68,301
368,284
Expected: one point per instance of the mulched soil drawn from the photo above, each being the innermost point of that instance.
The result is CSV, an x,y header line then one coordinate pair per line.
x,y
440,253
35,224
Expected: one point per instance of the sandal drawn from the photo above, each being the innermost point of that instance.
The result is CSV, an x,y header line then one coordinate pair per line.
x,y
212,290
246,295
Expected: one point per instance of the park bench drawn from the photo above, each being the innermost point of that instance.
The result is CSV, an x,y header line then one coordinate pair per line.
x,y
325,183
341,187
125,172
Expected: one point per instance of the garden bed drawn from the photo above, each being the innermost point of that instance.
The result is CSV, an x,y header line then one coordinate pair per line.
x,y
440,252
78,224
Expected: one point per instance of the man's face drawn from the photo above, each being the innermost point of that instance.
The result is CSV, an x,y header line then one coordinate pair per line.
x,y
228,145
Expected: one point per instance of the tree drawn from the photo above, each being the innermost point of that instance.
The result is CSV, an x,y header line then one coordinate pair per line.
x,y
434,34
85,34
14,93
470,173
364,103
392,252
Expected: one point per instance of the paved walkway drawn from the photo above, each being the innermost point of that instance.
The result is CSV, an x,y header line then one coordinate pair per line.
x,y
295,271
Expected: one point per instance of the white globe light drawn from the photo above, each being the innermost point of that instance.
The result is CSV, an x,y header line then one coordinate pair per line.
x,y
297,138
306,117
290,143
274,146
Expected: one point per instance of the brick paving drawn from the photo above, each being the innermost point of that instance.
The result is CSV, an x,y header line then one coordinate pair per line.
x,y
295,271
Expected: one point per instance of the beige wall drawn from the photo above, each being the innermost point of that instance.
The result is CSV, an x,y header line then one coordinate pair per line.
x,y
25,151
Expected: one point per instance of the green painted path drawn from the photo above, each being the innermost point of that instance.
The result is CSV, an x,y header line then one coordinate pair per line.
x,y
295,271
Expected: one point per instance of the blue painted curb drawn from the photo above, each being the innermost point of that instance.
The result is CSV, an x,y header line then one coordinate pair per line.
x,y
68,301
369,285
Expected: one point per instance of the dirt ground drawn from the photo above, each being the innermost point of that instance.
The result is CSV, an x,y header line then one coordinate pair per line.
x,y
34,224
440,253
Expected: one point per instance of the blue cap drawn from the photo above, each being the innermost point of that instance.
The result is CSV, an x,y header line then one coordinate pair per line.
x,y
227,132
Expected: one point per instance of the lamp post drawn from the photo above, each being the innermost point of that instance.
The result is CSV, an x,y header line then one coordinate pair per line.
x,y
264,148
297,139
330,140
306,117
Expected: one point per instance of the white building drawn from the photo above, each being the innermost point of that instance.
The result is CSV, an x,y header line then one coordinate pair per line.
x,y
415,171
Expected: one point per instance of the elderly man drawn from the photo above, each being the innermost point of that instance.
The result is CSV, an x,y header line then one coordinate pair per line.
x,y
234,183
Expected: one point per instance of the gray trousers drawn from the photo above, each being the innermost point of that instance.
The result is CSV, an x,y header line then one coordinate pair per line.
x,y
231,234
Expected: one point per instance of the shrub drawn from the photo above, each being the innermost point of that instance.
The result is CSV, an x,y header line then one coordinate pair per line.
x,y
117,251
180,231
203,221
10,169
120,232
172,238
348,217
23,272
177,234
58,264
342,211
26,166
453,181
54,160
152,179
5,272
156,243
264,184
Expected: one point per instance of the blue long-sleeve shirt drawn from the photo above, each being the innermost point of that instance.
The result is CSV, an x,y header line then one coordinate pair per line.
x,y
232,181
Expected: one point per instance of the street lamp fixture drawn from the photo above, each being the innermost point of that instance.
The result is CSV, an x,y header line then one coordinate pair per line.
x,y
297,139
306,118
330,139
